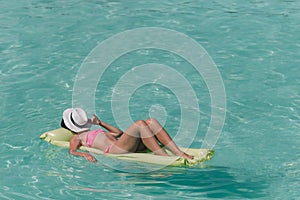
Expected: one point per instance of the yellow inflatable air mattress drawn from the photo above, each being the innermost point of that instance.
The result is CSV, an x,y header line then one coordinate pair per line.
x,y
61,137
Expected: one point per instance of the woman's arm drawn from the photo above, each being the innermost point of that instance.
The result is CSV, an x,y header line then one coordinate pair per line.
x,y
75,143
112,129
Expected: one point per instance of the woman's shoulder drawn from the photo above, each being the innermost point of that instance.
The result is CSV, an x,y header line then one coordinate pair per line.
x,y
82,135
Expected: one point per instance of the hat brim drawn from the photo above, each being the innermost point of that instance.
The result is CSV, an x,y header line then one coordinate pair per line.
x,y
70,125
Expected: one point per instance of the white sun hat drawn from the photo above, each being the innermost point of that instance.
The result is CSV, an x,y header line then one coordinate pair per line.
x,y
76,120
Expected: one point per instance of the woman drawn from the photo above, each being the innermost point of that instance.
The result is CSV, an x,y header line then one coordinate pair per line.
x,y
138,137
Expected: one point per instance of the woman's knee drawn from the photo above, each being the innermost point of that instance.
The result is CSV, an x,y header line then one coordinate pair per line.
x,y
140,123
151,121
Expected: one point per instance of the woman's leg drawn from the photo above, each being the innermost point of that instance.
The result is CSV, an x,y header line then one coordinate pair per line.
x,y
164,138
133,136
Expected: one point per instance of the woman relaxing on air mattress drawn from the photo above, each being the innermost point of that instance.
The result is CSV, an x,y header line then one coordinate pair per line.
x,y
139,136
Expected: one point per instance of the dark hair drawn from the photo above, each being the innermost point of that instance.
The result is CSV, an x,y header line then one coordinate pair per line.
x,y
63,125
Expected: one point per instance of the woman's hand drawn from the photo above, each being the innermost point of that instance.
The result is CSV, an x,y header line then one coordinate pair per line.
x,y
110,128
89,157
95,120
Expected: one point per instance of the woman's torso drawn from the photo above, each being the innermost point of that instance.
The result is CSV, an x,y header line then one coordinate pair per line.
x,y
95,138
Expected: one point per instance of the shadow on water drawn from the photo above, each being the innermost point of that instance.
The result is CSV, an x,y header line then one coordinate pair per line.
x,y
194,183
137,180
191,182
218,182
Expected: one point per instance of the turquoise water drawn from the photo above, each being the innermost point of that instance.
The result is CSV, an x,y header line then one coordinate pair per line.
x,y
255,45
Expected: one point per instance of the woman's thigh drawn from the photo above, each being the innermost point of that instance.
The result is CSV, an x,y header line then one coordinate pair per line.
x,y
131,139
126,143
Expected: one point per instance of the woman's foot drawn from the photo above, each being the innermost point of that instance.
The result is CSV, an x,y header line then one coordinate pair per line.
x,y
185,155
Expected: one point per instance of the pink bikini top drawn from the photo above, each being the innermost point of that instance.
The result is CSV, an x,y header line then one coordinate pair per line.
x,y
91,135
